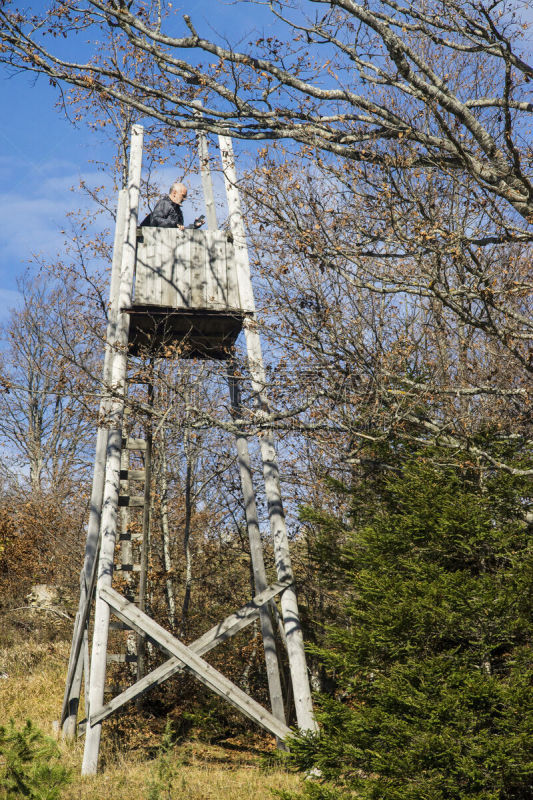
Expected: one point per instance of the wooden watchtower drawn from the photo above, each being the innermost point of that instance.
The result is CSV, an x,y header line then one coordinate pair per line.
x,y
190,289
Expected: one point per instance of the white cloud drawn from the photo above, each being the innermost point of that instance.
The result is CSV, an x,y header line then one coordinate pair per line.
x,y
30,224
34,213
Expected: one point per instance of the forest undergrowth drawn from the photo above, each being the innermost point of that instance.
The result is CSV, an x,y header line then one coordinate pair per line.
x,y
149,764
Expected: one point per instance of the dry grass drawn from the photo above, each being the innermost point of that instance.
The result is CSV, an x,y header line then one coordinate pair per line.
x,y
197,779
33,689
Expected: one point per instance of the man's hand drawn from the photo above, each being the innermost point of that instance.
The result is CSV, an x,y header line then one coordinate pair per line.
x,y
199,221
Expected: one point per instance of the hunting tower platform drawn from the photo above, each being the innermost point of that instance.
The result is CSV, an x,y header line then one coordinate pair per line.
x,y
176,294
186,289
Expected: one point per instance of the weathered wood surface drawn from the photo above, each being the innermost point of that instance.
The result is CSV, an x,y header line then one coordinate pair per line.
x,y
187,269
214,636
256,550
108,525
207,182
289,606
77,656
203,671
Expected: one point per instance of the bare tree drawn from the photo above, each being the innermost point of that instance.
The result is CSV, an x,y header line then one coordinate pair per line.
x,y
408,125
383,313
394,223
44,421
446,80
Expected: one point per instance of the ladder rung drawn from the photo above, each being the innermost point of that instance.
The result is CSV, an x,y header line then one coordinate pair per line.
x,y
128,568
134,444
132,474
121,658
131,501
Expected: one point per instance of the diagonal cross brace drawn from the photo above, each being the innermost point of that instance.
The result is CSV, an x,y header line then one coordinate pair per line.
x,y
214,636
192,662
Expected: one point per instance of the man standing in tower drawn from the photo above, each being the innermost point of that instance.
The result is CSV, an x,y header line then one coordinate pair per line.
x,y
167,212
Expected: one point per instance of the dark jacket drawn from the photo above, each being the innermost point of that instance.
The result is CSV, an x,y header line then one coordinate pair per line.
x,y
166,214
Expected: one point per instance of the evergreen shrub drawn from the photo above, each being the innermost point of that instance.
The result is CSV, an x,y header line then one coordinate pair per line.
x,y
29,764
430,648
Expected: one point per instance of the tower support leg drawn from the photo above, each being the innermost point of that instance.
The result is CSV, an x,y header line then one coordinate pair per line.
x,y
114,446
256,552
75,670
289,605
101,612
143,577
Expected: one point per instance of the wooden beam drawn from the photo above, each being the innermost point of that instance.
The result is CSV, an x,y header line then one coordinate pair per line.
x,y
145,546
256,549
212,638
114,446
131,501
239,619
88,575
135,444
193,663
207,184
132,474
289,605
242,261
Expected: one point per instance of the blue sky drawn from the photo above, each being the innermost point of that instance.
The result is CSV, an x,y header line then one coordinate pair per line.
x,y
43,156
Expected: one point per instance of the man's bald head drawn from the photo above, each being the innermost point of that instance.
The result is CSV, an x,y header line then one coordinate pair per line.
x,y
178,192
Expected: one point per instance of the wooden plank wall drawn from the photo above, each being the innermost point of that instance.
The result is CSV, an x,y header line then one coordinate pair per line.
x,y
186,269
